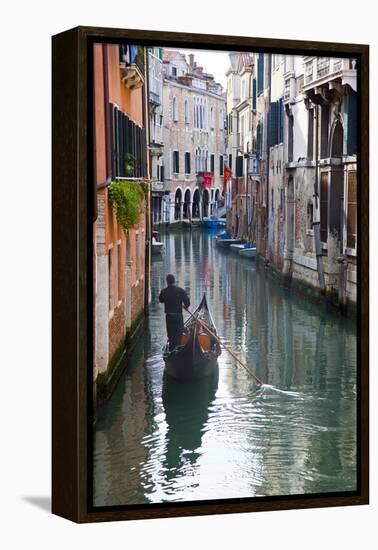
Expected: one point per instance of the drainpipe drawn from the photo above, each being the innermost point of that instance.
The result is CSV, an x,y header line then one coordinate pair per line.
x,y
316,223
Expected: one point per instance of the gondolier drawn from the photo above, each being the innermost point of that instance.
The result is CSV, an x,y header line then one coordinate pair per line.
x,y
174,299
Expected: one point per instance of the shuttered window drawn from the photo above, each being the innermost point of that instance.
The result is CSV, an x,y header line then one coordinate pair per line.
x,y
175,162
260,73
324,207
212,163
352,210
254,93
128,146
187,163
273,126
221,165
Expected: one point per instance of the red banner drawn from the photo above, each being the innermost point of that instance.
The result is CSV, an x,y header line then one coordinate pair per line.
x,y
227,176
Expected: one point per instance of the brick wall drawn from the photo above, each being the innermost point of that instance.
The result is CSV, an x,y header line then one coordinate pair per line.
x,y
116,329
137,300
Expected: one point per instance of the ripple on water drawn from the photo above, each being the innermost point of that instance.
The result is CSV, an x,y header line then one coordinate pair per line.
x,y
295,434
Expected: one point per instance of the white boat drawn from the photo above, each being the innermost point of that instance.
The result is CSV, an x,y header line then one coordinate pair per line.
x,y
248,252
156,245
236,247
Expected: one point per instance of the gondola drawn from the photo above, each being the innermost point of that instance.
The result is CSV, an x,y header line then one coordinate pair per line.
x,y
196,356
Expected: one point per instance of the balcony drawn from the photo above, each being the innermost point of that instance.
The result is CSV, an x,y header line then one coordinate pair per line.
x,y
156,148
155,100
132,66
157,186
323,70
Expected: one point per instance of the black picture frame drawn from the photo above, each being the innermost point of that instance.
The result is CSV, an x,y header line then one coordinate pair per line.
x,y
72,334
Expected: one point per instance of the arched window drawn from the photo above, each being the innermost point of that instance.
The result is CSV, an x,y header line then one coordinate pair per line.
x,y
174,109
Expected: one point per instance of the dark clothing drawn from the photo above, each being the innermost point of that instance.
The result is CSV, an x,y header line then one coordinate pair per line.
x,y
175,327
174,297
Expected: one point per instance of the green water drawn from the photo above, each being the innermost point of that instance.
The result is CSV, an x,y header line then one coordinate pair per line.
x,y
227,438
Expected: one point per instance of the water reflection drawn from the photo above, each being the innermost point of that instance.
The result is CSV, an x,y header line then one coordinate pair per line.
x,y
159,442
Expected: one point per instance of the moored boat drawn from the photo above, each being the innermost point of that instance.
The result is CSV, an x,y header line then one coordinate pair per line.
x,y
236,247
225,243
156,245
196,356
212,223
250,252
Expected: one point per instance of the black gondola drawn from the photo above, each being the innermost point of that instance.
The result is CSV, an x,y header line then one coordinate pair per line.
x,y
196,356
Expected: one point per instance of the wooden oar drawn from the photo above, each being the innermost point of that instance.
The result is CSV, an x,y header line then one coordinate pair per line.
x,y
204,325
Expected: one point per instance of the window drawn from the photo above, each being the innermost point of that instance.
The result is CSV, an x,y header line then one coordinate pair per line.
x,y
230,161
186,109
187,163
174,109
212,118
243,90
324,131
119,262
175,163
174,71
127,151
260,74
111,279
352,210
272,200
221,120
212,163
221,165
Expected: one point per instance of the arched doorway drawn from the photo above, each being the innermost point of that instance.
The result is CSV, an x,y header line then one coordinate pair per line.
x,y
336,189
196,213
206,201
178,201
337,140
187,200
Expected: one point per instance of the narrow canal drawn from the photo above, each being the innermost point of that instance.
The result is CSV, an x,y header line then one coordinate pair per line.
x,y
156,442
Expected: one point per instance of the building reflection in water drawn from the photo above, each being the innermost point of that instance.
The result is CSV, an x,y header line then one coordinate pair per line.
x,y
155,442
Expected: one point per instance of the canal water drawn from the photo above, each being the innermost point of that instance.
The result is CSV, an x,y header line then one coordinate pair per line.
x,y
157,441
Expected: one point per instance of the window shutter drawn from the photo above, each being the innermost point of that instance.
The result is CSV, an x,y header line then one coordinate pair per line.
x,y
254,86
273,124
281,121
239,166
260,73
112,144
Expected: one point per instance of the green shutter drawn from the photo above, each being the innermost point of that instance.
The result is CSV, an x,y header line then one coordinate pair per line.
x,y
260,73
273,124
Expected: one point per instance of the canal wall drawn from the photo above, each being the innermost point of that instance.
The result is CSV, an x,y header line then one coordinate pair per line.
x,y
308,287
106,381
